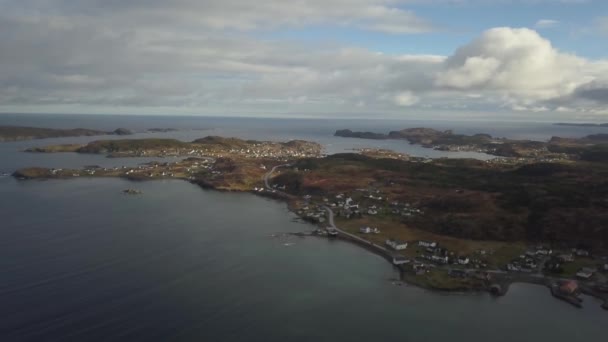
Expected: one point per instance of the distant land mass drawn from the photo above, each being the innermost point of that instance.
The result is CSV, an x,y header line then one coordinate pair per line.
x,y
581,124
19,133
162,130
593,147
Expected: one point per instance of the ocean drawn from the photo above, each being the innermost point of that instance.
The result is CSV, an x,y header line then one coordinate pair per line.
x,y
79,261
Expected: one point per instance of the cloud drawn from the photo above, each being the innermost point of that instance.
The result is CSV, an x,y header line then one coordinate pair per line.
x,y
593,91
518,64
406,99
207,56
546,23
378,15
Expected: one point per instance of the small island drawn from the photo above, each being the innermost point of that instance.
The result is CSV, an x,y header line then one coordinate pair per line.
x,y
581,124
19,133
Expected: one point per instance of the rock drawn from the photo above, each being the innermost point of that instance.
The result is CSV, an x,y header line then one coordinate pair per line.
x,y
122,131
132,192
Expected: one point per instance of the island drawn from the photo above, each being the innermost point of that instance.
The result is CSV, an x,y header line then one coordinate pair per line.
x,y
591,147
581,124
445,224
162,130
19,133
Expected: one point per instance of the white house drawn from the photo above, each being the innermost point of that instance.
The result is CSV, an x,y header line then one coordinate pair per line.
x,y
400,260
427,244
440,259
463,260
396,245
543,251
368,230
584,274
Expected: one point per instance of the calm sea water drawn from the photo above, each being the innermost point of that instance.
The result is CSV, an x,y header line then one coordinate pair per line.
x,y
79,261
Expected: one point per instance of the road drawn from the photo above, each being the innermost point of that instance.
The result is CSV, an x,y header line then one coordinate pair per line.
x,y
267,175
330,215
330,218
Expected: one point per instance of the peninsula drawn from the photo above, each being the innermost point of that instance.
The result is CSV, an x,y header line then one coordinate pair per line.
x,y
581,124
592,147
447,224
18,133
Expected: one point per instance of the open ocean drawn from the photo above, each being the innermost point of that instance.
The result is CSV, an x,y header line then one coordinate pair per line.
x,y
79,261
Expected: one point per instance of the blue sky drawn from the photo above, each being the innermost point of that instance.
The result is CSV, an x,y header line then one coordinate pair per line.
x,y
457,24
542,59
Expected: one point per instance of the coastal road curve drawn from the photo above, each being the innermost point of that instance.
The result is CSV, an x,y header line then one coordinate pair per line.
x,y
330,218
330,215
268,174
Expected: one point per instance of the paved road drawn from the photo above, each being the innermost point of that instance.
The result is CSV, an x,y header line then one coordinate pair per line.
x,y
330,217
267,175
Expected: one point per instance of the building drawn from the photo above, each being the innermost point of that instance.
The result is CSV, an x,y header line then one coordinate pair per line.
x,y
439,259
400,260
584,274
428,244
463,260
396,245
569,287
368,230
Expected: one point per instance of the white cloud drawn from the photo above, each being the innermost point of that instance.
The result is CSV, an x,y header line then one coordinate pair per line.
x,y
518,63
406,99
199,56
546,23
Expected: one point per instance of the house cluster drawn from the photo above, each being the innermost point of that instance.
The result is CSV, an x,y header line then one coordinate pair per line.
x,y
530,260
586,273
346,205
405,209
316,214
261,150
369,230
396,244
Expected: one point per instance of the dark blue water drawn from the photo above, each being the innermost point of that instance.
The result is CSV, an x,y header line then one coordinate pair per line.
x,y
79,261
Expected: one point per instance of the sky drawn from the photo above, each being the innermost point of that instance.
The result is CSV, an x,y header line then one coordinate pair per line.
x,y
524,59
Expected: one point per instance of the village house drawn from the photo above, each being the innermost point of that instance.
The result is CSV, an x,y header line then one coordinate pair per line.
x,y
566,257
463,260
427,244
368,230
585,273
513,267
439,259
400,260
544,252
396,245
